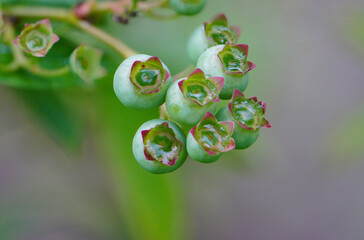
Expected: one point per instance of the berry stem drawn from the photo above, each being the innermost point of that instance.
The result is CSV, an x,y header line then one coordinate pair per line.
x,y
37,70
184,73
69,17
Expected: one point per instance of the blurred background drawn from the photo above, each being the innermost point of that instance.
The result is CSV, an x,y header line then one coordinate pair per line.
x,y
67,170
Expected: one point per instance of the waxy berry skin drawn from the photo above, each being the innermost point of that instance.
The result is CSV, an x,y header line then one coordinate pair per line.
x,y
189,111
209,139
197,44
248,116
212,64
132,95
171,130
187,7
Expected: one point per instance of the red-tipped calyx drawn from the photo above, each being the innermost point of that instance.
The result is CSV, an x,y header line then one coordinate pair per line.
x,y
161,144
214,137
234,59
248,112
149,76
200,89
36,39
218,32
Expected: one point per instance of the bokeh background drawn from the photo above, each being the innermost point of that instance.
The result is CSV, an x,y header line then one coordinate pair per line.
x,y
67,171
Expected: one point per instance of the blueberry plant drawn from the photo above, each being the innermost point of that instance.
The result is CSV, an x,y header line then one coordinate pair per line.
x,y
187,101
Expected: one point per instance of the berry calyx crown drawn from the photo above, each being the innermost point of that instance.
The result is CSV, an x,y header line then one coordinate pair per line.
x,y
200,89
149,76
214,137
234,59
248,112
218,31
161,144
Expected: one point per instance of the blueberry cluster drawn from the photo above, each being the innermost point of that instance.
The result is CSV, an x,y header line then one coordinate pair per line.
x,y
144,82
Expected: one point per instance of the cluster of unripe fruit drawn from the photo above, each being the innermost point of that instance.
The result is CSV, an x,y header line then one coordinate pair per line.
x,y
144,82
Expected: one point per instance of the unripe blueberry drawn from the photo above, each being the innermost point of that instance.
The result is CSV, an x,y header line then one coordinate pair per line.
x,y
248,115
209,139
159,146
230,62
215,32
189,99
141,82
36,39
85,61
187,7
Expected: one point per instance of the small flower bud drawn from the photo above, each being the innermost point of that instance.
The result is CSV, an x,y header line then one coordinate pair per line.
x,y
85,61
37,38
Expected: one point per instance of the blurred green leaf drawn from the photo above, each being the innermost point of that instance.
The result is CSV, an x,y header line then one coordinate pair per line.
x,y
57,57
152,205
347,141
355,26
55,116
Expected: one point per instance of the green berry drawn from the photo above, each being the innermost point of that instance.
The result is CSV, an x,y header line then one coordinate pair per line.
x,y
85,61
159,146
187,7
209,139
141,82
215,32
36,39
190,98
248,115
230,62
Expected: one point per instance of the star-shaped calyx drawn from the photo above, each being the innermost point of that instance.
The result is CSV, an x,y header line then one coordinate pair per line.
x,y
200,89
37,38
248,112
218,31
149,76
213,136
161,144
234,59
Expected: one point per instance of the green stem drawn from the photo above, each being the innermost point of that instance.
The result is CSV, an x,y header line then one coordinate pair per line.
x,y
184,73
68,16
37,70
11,67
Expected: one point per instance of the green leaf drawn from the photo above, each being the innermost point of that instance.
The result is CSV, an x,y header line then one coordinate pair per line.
x,y
352,25
151,205
55,116
345,142
135,4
